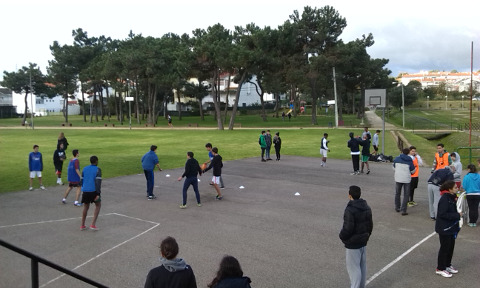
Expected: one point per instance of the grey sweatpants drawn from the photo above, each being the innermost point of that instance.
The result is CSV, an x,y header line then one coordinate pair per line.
x,y
357,266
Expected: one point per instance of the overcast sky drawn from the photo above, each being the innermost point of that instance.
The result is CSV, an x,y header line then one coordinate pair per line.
x,y
413,35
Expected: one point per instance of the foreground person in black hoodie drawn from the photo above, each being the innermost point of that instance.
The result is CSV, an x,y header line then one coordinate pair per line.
x,y
174,272
230,275
356,230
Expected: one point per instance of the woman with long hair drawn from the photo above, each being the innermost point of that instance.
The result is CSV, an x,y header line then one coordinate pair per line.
x,y
62,140
230,275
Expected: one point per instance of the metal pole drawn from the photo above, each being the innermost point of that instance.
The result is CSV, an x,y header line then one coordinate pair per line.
x,y
471,96
403,107
383,134
31,98
34,266
336,103
130,113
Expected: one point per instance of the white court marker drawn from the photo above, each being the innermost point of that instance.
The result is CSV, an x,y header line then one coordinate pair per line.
x,y
398,258
297,194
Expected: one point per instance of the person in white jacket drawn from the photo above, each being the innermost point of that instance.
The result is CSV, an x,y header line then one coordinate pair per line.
x,y
457,176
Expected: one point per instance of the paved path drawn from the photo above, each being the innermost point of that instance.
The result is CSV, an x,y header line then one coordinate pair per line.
x,y
281,240
376,122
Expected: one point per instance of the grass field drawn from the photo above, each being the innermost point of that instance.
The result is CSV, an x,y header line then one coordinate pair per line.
x,y
119,150
436,117
244,121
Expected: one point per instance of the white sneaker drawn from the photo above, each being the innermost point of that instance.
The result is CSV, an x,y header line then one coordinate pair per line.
x,y
443,273
452,270
42,187
30,189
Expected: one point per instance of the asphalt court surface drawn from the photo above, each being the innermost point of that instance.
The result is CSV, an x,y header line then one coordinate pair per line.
x,y
281,239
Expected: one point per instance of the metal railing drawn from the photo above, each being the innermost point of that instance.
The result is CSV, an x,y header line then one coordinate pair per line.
x,y
470,155
34,266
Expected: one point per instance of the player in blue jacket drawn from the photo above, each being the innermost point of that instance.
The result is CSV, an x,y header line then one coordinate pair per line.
x,y
35,166
91,188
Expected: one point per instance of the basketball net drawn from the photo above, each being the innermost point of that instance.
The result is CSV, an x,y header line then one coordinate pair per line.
x,y
372,108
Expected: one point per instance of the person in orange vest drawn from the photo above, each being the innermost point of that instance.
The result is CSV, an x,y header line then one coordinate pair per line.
x,y
442,158
417,162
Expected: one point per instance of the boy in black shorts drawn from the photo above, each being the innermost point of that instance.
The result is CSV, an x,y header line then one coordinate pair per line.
x,y
91,187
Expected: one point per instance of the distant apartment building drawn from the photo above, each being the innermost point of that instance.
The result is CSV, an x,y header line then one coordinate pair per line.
x,y
458,81
43,106
248,94
7,110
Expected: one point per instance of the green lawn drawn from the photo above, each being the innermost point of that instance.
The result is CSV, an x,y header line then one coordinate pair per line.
x,y
420,118
119,150
244,121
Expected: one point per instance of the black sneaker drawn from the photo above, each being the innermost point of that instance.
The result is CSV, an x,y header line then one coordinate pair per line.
x,y
151,197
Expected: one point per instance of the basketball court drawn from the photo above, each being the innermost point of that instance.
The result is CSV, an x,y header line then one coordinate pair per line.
x,y
282,225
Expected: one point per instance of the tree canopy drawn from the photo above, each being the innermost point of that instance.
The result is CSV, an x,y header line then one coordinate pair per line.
x,y
296,59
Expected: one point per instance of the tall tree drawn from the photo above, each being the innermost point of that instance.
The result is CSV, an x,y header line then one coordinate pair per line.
x,y
27,80
318,31
212,51
63,72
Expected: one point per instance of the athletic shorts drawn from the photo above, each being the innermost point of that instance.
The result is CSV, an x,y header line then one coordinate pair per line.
x,y
216,179
323,152
73,184
58,168
414,183
89,197
365,158
375,147
35,173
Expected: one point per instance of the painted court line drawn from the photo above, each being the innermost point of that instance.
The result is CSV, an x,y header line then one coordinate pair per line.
x,y
99,255
399,258
50,221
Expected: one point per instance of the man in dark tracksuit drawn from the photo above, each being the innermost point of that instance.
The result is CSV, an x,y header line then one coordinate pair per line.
x,y
192,169
356,230
353,144
217,165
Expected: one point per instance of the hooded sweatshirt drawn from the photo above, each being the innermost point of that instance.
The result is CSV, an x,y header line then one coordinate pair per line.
x,y
404,168
237,282
471,184
458,169
357,224
173,273
353,144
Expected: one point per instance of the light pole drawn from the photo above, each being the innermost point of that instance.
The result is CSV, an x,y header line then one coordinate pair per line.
x,y
428,97
446,102
403,106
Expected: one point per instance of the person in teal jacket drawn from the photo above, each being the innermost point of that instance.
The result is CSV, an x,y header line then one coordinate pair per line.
x,y
471,184
263,144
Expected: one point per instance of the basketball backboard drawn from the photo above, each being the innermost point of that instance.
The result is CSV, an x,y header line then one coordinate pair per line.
x,y
375,97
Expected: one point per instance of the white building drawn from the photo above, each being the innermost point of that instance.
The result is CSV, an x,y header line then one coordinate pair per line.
x,y
43,106
458,81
